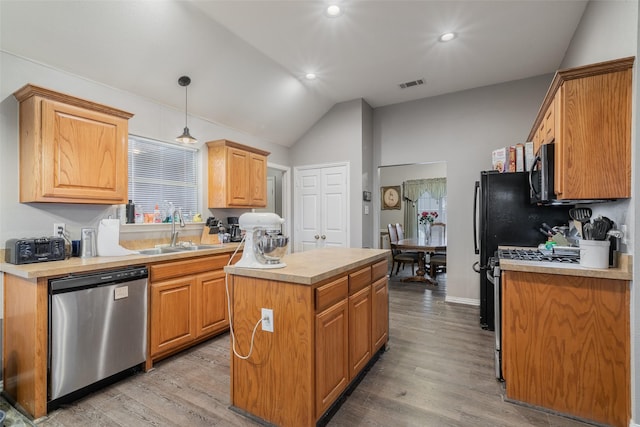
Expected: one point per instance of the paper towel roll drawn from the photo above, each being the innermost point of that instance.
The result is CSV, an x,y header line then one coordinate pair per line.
x,y
109,239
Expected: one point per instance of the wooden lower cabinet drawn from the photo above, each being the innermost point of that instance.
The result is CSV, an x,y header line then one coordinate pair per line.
x,y
379,314
332,355
566,344
359,331
212,314
173,318
188,304
323,338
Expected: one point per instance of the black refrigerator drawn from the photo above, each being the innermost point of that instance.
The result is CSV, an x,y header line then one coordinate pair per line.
x,y
503,215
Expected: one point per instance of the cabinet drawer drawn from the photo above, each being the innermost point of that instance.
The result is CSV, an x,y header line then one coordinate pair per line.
x,y
331,293
187,267
379,270
359,279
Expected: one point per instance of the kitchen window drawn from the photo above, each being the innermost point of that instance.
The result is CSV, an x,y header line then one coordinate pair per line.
x,y
160,172
433,204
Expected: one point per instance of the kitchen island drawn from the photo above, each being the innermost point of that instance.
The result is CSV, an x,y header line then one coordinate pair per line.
x,y
566,338
330,322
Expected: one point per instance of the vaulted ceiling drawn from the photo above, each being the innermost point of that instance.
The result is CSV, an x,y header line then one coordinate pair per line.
x,y
247,59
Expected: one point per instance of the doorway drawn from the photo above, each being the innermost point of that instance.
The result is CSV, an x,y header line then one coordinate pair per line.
x,y
279,195
321,206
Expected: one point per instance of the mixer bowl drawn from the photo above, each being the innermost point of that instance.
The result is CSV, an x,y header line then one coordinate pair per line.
x,y
271,248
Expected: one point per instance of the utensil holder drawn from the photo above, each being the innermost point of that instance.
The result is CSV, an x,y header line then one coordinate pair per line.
x,y
594,253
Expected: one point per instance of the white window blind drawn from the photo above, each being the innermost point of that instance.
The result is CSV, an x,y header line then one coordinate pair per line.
x,y
160,172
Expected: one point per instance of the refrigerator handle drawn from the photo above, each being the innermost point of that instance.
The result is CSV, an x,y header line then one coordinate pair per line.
x,y
475,217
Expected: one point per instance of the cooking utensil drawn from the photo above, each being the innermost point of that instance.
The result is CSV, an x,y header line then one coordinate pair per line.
x,y
601,227
587,231
580,217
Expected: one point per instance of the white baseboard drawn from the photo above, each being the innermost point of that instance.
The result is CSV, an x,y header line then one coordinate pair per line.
x,y
465,301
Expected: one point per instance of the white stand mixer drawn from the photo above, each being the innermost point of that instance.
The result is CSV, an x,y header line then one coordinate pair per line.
x,y
264,246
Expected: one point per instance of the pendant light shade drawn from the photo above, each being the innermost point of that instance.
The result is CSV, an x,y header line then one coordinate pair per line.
x,y
186,137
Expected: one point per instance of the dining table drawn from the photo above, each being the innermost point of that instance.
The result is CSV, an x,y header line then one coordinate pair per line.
x,y
436,243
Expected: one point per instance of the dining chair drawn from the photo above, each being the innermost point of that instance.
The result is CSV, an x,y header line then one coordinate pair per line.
x,y
438,261
400,257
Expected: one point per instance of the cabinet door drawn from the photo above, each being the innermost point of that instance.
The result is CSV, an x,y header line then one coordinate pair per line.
x,y
173,317
332,355
238,177
379,313
359,330
212,310
258,180
84,155
595,157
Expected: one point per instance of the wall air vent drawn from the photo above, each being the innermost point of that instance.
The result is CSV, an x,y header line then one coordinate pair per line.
x,y
411,84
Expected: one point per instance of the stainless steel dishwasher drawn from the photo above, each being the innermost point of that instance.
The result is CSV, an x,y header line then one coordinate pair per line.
x,y
97,328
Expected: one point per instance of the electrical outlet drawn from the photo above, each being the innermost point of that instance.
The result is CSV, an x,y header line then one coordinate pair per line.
x,y
267,319
59,229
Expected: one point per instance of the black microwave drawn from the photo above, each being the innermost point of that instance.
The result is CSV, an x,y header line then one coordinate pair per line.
x,y
541,176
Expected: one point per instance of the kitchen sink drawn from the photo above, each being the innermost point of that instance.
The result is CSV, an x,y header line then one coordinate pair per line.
x,y
177,249
198,247
158,251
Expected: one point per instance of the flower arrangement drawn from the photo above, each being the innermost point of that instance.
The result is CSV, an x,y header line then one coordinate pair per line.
x,y
425,217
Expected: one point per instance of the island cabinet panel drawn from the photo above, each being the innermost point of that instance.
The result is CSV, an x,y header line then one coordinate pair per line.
x,y
359,331
566,344
276,383
379,314
71,150
332,355
323,339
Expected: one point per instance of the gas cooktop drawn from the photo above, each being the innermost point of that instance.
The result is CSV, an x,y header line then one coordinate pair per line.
x,y
538,255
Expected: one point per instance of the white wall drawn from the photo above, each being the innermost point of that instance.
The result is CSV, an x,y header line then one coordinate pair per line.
x,y
337,137
460,129
368,172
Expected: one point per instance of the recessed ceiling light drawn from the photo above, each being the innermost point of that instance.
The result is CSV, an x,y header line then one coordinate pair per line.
x,y
310,76
333,10
447,37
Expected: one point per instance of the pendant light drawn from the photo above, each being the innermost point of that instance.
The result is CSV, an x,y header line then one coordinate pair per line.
x,y
185,138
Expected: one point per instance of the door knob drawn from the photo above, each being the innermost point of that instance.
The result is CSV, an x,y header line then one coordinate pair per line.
x,y
316,237
324,237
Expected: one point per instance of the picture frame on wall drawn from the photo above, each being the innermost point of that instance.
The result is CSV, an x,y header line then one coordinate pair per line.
x,y
391,197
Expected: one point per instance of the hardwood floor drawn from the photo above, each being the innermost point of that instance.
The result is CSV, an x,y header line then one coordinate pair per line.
x,y
438,371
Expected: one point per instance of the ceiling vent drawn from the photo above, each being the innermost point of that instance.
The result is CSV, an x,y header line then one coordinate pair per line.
x,y
411,84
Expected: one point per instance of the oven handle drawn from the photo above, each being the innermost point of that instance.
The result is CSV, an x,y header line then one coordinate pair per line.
x,y
490,276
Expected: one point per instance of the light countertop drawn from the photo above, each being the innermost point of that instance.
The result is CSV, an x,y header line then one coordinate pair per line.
x,y
80,265
622,272
311,267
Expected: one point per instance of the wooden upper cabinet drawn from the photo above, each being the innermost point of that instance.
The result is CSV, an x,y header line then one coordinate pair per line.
x,y
237,175
71,150
587,114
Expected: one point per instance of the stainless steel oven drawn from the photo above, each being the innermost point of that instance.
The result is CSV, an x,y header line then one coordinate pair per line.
x,y
493,276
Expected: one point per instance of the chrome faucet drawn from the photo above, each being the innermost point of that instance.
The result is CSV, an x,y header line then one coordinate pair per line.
x,y
174,233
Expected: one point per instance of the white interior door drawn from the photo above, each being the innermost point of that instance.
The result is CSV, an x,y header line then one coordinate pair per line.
x,y
321,206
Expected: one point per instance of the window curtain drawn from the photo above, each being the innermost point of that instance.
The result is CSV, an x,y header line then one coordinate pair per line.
x,y
413,189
